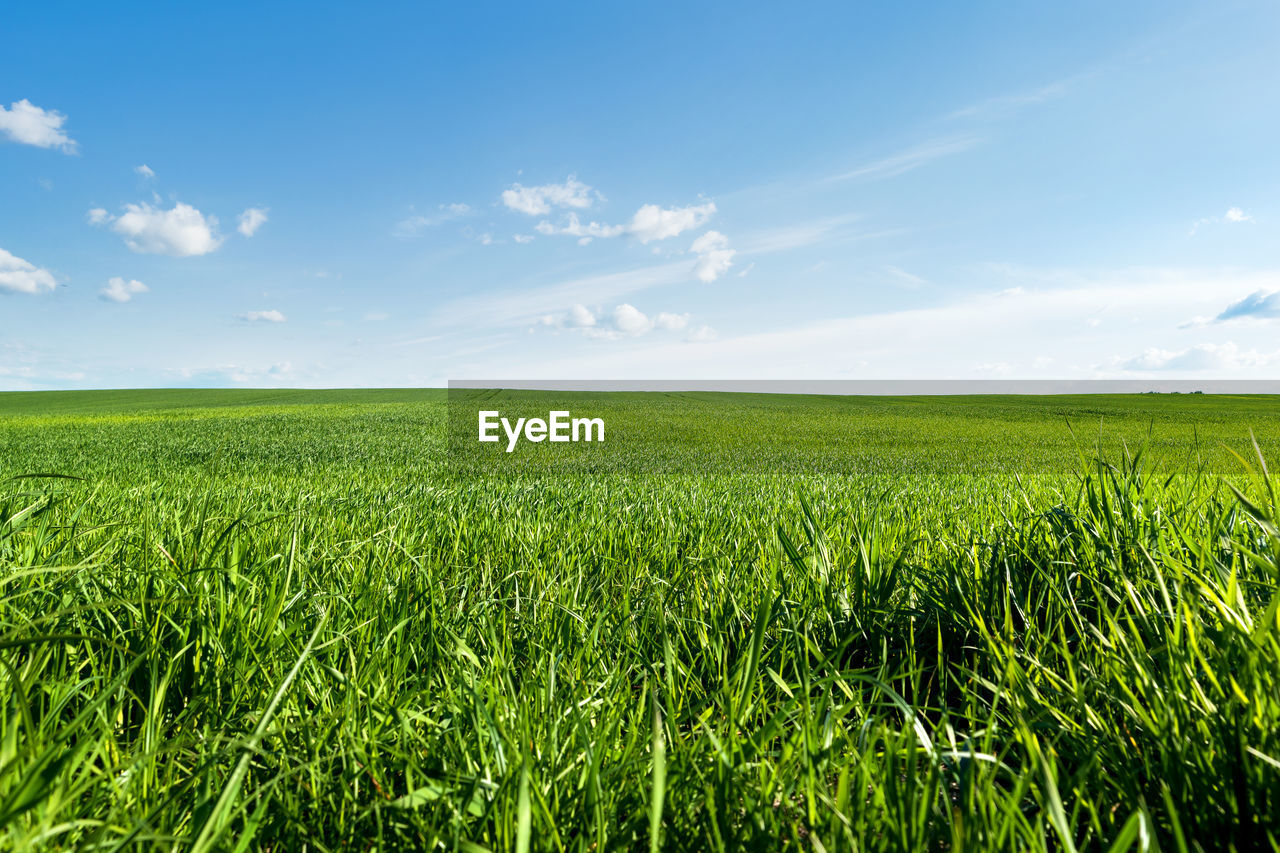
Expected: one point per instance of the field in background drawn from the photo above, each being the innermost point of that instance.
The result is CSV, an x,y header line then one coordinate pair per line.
x,y
294,618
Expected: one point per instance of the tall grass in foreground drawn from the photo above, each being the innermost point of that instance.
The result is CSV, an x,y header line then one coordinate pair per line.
x,y
618,665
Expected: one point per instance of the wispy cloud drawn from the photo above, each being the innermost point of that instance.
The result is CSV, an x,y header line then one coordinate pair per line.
x,y
1039,328
251,220
524,306
268,316
905,278
811,233
1234,215
1261,304
410,226
1001,105
271,374
26,367
909,159
571,226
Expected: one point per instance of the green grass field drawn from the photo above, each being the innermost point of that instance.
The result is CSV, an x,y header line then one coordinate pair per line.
x,y
303,620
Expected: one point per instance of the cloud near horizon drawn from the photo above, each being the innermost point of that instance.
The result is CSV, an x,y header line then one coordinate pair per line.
x,y
1045,324
1202,357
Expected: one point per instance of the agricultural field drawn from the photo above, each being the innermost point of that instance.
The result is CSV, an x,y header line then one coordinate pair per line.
x,y
322,620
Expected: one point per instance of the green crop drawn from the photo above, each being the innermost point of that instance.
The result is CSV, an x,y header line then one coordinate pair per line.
x,y
307,621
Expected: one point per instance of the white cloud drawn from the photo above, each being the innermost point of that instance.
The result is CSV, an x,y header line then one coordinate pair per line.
x,y
671,322
181,231
119,290
251,220
649,223
538,201
630,320
714,256
1233,215
145,171
522,306
574,228
410,226
1202,357
709,242
523,238
701,335
20,276
652,222
579,317
25,123
624,321
1047,321
269,316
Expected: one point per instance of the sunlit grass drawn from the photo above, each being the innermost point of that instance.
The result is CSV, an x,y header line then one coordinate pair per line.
x,y
296,627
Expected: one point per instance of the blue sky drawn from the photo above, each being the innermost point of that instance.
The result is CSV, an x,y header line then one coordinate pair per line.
x,y
326,195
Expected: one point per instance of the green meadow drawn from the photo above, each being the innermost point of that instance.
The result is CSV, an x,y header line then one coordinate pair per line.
x,y
327,620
